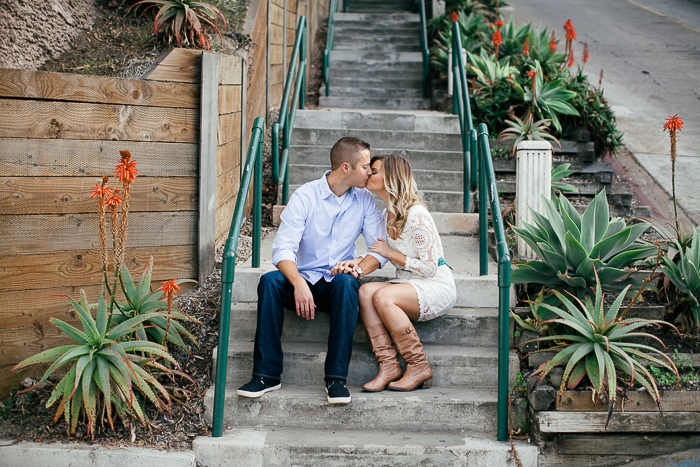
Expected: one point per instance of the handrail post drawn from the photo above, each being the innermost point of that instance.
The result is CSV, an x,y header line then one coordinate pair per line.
x,y
302,58
228,269
257,205
503,344
424,48
475,160
483,214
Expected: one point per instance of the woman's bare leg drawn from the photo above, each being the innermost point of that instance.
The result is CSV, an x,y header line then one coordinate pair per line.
x,y
368,313
396,305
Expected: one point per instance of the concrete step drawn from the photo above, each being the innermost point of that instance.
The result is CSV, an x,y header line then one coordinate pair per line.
x,y
452,365
376,82
377,73
392,37
381,25
449,160
306,407
461,326
381,138
386,48
428,122
406,103
379,9
246,447
431,180
388,93
374,18
371,56
379,40
341,66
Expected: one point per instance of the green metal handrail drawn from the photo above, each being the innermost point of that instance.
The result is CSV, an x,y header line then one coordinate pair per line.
x,y
477,156
329,43
424,48
285,123
253,166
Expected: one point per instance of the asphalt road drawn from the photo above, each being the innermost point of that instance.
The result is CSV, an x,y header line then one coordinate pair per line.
x,y
650,53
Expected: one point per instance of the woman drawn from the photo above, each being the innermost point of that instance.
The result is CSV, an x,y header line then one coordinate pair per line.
x,y
423,289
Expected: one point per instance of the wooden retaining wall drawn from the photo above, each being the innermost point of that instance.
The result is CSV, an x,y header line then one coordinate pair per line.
x,y
60,134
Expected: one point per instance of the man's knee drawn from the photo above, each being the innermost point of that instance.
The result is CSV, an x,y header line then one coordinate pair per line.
x,y
346,283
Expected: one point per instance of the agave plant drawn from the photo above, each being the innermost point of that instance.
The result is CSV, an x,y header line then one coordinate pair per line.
x,y
684,273
526,129
185,21
598,346
490,72
576,251
540,321
161,324
101,370
559,173
549,99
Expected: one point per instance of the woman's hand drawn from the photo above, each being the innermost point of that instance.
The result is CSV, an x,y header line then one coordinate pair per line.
x,y
381,247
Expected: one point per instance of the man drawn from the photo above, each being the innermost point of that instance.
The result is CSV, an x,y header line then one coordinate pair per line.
x,y
318,230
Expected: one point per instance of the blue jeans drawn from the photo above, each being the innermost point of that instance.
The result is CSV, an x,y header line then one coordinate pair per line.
x,y
339,298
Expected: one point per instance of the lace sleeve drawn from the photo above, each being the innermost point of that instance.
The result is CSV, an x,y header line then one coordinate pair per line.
x,y
424,235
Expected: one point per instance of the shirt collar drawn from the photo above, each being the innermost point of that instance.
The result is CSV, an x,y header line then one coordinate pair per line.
x,y
326,188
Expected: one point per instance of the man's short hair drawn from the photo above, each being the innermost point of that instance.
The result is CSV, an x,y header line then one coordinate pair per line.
x,y
348,150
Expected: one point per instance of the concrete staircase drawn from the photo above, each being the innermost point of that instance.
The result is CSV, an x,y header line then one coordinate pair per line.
x,y
376,90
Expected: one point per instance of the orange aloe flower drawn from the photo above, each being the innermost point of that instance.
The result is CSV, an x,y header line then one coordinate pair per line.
x,y
570,61
673,124
532,73
126,169
526,47
170,289
585,53
553,43
455,17
497,40
102,190
499,24
114,200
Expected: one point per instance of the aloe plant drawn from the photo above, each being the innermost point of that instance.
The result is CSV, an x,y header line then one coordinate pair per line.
x,y
141,301
549,99
559,173
526,129
473,31
102,371
574,249
489,71
685,275
599,346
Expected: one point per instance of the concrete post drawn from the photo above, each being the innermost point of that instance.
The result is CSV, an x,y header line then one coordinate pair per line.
x,y
533,178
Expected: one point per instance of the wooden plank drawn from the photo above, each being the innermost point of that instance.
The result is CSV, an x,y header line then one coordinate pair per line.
x,y
224,214
207,163
229,128
228,157
276,55
508,165
74,120
279,3
276,91
63,195
277,15
292,5
30,84
78,158
276,74
80,268
632,444
636,401
229,99
635,422
227,186
292,21
276,34
180,65
587,460
291,36
230,67
51,232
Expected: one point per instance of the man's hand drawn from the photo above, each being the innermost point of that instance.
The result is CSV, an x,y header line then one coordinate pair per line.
x,y
304,300
346,267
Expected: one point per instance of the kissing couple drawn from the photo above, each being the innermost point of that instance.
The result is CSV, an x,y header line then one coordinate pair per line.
x,y
314,252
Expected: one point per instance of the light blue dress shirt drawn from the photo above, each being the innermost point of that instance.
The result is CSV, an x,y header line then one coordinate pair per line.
x,y
316,232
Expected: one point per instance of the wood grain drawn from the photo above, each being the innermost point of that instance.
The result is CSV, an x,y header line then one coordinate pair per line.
x,y
227,186
228,157
229,128
81,268
276,55
637,401
276,15
229,99
276,34
224,214
74,120
630,444
179,65
49,232
63,195
30,84
634,422
276,74
78,158
230,69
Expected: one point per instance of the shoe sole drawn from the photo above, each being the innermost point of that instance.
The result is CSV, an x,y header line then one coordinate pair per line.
x,y
338,400
253,395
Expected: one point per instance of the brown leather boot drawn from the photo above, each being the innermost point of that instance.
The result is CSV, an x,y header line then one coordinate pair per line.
x,y
385,353
418,373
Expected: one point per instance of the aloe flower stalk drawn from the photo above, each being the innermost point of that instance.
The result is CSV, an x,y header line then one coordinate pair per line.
x,y
600,81
553,43
674,124
585,56
497,40
526,47
102,192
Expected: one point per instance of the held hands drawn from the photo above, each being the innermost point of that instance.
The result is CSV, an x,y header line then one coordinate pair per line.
x,y
381,247
347,267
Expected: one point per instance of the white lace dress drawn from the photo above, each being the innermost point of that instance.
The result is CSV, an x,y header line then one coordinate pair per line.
x,y
420,243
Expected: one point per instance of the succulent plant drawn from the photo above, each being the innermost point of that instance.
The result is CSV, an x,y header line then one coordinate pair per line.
x,y
574,249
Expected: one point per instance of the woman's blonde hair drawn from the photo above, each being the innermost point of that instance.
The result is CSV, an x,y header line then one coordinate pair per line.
x,y
400,187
